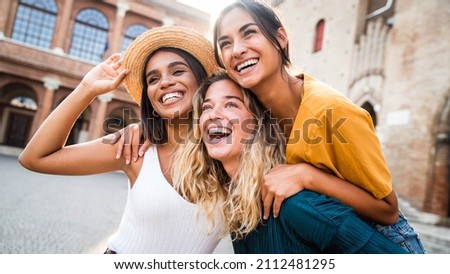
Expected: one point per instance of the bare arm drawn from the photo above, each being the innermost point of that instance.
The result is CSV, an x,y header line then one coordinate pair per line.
x,y
46,152
352,152
286,180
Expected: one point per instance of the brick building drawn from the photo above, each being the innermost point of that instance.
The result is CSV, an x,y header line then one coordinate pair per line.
x,y
391,57
46,47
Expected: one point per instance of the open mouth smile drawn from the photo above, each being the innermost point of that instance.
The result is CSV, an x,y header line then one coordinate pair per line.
x,y
171,97
246,65
216,134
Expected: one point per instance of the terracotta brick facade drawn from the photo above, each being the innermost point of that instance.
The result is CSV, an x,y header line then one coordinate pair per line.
x,y
397,62
48,75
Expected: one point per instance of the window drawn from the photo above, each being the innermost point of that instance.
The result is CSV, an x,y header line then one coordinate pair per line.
x,y
90,35
24,102
368,106
318,40
132,33
35,22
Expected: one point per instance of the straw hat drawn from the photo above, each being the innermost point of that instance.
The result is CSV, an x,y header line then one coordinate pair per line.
x,y
179,37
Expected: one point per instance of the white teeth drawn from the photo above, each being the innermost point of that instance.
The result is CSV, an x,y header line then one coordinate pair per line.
x,y
218,130
246,64
170,96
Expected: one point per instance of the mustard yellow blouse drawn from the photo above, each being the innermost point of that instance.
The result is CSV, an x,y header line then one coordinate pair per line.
x,y
335,135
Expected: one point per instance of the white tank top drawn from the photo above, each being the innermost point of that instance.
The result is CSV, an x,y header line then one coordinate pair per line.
x,y
158,220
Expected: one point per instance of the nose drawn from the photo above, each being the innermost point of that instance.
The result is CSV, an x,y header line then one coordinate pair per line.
x,y
239,48
215,114
167,81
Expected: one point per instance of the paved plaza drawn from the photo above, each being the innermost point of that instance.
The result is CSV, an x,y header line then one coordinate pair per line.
x,y
48,214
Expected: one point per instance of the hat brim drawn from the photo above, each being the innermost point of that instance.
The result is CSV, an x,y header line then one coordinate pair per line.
x,y
179,37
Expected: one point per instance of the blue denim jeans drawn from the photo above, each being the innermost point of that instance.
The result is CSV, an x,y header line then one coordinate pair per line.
x,y
403,234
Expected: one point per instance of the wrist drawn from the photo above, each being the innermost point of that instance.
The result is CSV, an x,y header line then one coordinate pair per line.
x,y
83,94
307,176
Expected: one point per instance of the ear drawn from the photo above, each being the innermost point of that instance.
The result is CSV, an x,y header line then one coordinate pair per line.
x,y
282,37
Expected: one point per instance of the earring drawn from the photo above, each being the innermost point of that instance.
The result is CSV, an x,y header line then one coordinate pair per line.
x,y
155,113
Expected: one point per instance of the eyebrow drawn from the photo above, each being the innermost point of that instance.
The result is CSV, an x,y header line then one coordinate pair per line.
x,y
226,97
241,29
171,65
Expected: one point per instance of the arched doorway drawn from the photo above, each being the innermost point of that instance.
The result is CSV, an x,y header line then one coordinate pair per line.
x,y
368,106
18,105
119,118
79,132
438,198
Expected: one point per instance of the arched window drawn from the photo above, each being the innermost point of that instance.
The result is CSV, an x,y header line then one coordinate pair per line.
x,y
318,40
118,119
24,102
18,105
90,35
368,106
79,130
132,33
35,22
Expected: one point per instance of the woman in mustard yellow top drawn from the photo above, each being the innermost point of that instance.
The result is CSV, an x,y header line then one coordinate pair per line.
x,y
322,126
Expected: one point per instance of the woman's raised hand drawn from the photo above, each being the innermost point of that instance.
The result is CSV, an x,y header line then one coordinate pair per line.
x,y
105,77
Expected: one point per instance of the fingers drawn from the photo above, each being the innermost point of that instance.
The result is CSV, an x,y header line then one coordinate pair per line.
x,y
114,62
267,204
126,147
111,139
144,148
120,144
119,78
116,65
263,191
130,143
273,202
135,141
277,205
113,58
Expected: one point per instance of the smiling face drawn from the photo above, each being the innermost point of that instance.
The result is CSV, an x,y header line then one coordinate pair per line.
x,y
171,84
248,56
225,123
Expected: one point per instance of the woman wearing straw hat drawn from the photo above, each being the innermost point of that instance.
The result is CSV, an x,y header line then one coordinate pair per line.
x,y
162,69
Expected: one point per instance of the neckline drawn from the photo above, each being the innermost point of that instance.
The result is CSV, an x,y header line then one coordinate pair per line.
x,y
302,96
163,178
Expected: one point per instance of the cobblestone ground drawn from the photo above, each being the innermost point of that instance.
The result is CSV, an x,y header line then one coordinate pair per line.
x,y
48,214
57,214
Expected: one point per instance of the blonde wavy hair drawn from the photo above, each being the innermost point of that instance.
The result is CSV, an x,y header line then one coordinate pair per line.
x,y
203,180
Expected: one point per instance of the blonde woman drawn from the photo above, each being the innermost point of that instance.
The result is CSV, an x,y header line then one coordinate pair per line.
x,y
232,146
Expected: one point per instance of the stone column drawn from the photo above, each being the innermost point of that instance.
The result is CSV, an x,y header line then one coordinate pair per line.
x,y
45,106
168,21
100,115
4,9
116,39
61,28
